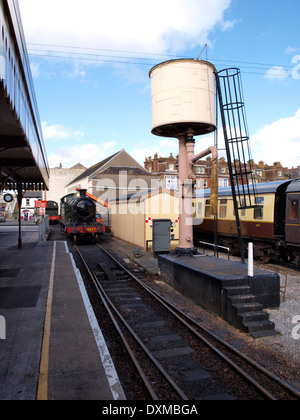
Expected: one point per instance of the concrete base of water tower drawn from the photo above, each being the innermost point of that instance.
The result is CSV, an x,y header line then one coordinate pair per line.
x,y
224,288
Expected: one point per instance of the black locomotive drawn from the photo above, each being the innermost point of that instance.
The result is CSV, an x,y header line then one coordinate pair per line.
x,y
78,217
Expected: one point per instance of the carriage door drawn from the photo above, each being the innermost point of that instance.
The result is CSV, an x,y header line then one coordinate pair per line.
x,y
293,219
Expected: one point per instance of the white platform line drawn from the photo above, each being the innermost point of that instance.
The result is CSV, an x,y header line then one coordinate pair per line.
x,y
107,362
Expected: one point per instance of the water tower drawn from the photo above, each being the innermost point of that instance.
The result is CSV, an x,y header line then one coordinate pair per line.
x,y
184,106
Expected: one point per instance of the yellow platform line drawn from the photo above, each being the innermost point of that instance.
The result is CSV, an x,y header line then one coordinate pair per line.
x,y
42,391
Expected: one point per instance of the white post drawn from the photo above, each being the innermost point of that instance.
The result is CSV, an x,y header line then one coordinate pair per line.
x,y
250,260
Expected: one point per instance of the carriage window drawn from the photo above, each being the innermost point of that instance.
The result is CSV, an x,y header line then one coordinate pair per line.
x,y
223,209
200,210
294,213
259,211
242,210
207,208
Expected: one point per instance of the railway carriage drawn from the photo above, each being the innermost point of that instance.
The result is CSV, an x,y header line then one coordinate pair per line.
x,y
273,226
292,224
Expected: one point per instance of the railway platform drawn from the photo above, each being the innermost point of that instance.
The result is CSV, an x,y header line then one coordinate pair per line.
x,y
51,347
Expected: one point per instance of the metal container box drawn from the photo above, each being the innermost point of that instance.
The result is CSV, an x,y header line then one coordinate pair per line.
x,y
162,236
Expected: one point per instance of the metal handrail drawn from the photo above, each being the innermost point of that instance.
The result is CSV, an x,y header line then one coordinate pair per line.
x,y
216,247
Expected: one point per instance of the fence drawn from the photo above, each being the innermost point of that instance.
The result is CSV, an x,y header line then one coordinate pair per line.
x,y
43,228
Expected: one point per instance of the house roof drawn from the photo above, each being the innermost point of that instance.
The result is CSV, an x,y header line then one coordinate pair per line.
x,y
131,170
78,166
143,195
93,169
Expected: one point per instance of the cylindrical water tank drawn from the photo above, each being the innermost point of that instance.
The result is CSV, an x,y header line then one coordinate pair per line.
x,y
183,97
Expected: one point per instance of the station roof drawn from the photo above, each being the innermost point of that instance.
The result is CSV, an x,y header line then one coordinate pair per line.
x,y
23,159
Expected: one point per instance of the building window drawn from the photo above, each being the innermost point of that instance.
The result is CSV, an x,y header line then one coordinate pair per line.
x,y
223,182
171,182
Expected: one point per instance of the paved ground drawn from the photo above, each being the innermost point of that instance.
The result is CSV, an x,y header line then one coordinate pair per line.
x,y
50,344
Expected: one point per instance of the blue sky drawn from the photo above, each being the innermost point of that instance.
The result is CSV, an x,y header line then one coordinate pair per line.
x,y
90,62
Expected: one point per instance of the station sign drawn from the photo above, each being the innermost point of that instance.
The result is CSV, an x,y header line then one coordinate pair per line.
x,y
40,204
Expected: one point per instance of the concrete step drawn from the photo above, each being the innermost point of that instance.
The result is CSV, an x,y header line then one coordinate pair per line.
x,y
254,316
248,307
255,326
238,290
242,299
265,333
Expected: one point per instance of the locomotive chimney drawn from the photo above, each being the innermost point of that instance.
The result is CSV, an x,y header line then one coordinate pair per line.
x,y
83,193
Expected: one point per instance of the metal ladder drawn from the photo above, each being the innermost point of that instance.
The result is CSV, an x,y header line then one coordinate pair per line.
x,y
237,144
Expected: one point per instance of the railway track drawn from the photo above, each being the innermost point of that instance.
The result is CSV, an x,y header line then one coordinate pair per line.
x,y
175,357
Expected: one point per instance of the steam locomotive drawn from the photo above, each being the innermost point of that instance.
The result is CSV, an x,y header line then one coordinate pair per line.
x,y
52,212
273,226
78,217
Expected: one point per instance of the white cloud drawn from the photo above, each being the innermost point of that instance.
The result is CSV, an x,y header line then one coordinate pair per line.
x,y
87,154
279,141
35,70
65,145
291,50
276,73
163,147
59,132
132,25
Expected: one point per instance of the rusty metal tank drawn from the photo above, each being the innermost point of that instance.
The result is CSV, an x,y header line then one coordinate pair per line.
x,y
183,97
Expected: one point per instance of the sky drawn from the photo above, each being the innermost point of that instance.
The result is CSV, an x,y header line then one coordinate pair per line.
x,y
90,63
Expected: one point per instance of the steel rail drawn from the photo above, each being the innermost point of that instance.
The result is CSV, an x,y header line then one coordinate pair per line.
x,y
175,311
125,342
110,307
146,350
